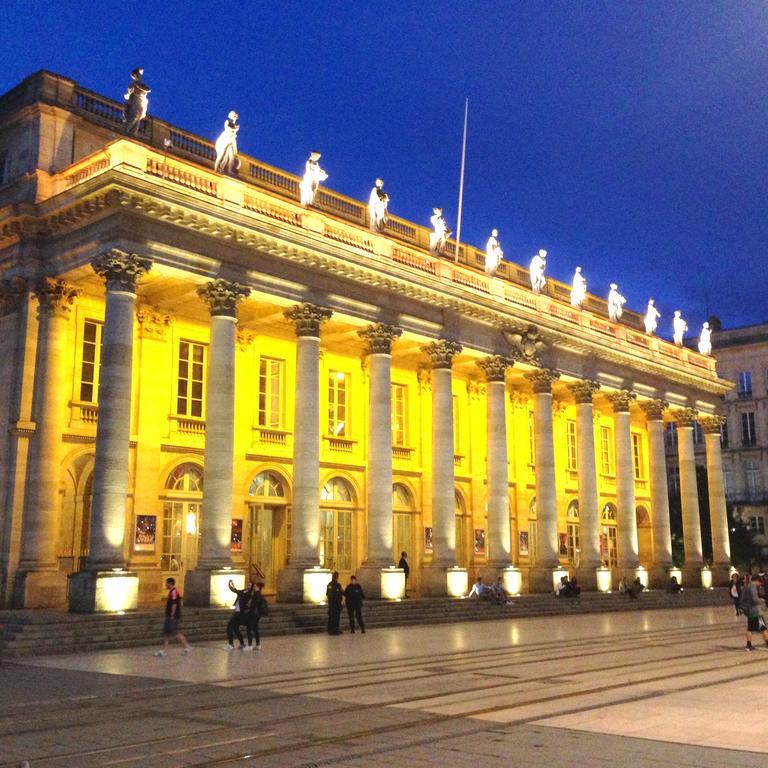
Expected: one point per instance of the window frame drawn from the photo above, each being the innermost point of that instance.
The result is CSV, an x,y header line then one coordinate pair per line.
x,y
97,345
190,380
571,442
265,416
338,411
399,414
606,452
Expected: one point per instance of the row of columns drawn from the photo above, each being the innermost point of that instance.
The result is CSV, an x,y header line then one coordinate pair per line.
x,y
121,270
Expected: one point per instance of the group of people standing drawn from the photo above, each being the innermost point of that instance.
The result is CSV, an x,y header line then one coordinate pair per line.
x,y
250,605
352,595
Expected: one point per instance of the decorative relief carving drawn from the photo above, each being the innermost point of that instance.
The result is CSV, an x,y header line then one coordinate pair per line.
x,y
120,269
711,424
442,352
244,338
424,377
307,318
542,380
685,417
584,390
475,389
654,409
519,400
379,338
525,345
621,400
56,297
495,367
223,296
12,293
153,324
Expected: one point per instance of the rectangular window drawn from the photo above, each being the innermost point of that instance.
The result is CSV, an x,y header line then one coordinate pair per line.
x,y
271,376
399,415
456,427
698,434
570,429
748,436
637,455
91,362
673,479
191,378
606,450
757,524
338,404
745,384
724,434
531,440
752,472
728,480
670,434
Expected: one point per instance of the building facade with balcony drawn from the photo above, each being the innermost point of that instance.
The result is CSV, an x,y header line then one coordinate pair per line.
x,y
202,378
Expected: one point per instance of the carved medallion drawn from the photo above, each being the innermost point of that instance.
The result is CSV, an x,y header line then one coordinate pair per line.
x,y
525,344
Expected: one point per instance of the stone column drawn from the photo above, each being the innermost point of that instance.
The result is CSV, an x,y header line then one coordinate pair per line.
x,y
121,271
379,338
721,545
304,554
441,354
589,511
689,497
548,558
202,586
499,538
43,585
625,486
662,539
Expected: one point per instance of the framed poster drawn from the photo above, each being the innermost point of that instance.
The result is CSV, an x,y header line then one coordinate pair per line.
x,y
479,541
145,533
237,535
522,545
563,540
428,540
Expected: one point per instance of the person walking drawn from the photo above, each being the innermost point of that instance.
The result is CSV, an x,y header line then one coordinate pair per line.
x,y
403,563
257,608
354,596
750,607
172,619
735,592
335,595
239,617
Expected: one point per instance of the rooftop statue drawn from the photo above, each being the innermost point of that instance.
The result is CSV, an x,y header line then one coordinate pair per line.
x,y
705,340
440,233
651,319
493,253
313,176
536,268
616,303
227,160
377,206
679,327
578,289
136,101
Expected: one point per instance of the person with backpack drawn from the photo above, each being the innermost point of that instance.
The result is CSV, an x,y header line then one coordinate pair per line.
x,y
750,607
354,596
172,619
239,617
257,608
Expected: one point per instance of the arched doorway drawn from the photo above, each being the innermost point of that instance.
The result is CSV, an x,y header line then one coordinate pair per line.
x,y
75,520
533,534
403,510
337,505
644,537
463,540
268,528
608,547
573,540
182,500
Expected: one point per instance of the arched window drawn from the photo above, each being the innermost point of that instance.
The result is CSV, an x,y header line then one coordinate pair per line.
x,y
337,489
573,510
573,542
267,485
337,498
186,477
401,497
181,519
643,518
403,525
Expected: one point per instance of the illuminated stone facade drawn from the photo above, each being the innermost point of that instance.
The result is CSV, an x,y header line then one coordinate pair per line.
x,y
357,395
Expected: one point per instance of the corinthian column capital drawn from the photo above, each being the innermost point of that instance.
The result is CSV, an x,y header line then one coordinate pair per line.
x,y
495,367
584,390
654,409
55,296
379,338
223,296
542,380
711,424
307,318
621,400
685,417
442,352
120,269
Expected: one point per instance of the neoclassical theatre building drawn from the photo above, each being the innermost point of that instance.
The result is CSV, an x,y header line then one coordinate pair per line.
x,y
204,379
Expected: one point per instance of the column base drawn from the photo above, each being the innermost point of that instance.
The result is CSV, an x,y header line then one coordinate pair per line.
x,y
691,575
543,580
103,591
441,581
658,576
382,583
588,578
208,587
511,576
291,582
40,589
721,574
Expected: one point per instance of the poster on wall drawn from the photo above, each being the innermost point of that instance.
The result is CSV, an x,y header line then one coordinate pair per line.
x,y
563,539
237,535
428,540
145,533
479,541
523,542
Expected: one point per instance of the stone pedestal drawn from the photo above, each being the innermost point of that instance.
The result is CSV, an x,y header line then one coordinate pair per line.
x,y
587,577
103,591
437,581
542,580
209,587
45,588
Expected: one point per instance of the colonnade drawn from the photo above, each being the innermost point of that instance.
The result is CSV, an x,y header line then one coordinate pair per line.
x,y
121,270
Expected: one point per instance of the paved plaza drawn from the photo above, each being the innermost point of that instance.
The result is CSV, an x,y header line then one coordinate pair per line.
x,y
652,688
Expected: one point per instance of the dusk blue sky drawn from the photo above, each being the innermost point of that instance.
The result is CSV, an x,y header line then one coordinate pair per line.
x,y
626,137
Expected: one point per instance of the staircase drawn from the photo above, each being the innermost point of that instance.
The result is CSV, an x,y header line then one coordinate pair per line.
x,y
30,632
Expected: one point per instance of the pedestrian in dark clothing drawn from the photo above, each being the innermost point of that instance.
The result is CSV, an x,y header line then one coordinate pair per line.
x,y
735,589
256,609
635,588
239,617
172,619
335,595
354,596
406,569
750,607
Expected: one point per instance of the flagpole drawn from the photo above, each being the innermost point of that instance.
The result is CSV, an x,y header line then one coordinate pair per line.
x,y
461,181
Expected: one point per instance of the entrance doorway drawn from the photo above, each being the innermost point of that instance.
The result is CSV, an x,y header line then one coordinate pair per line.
x,y
644,537
608,537
181,521
463,540
268,529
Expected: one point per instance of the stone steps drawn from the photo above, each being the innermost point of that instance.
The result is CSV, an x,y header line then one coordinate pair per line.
x,y
46,632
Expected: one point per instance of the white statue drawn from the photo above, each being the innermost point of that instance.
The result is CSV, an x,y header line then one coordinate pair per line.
x,y
136,101
313,176
227,160
616,303
578,289
493,253
679,327
651,319
705,340
536,268
440,233
377,207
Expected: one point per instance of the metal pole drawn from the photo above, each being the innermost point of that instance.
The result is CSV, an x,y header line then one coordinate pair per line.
x,y
461,181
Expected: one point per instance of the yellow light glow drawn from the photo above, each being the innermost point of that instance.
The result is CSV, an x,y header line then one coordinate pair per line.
x,y
315,583
706,578
191,523
221,597
117,591
392,583
557,574
678,574
642,574
604,579
457,581
513,580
